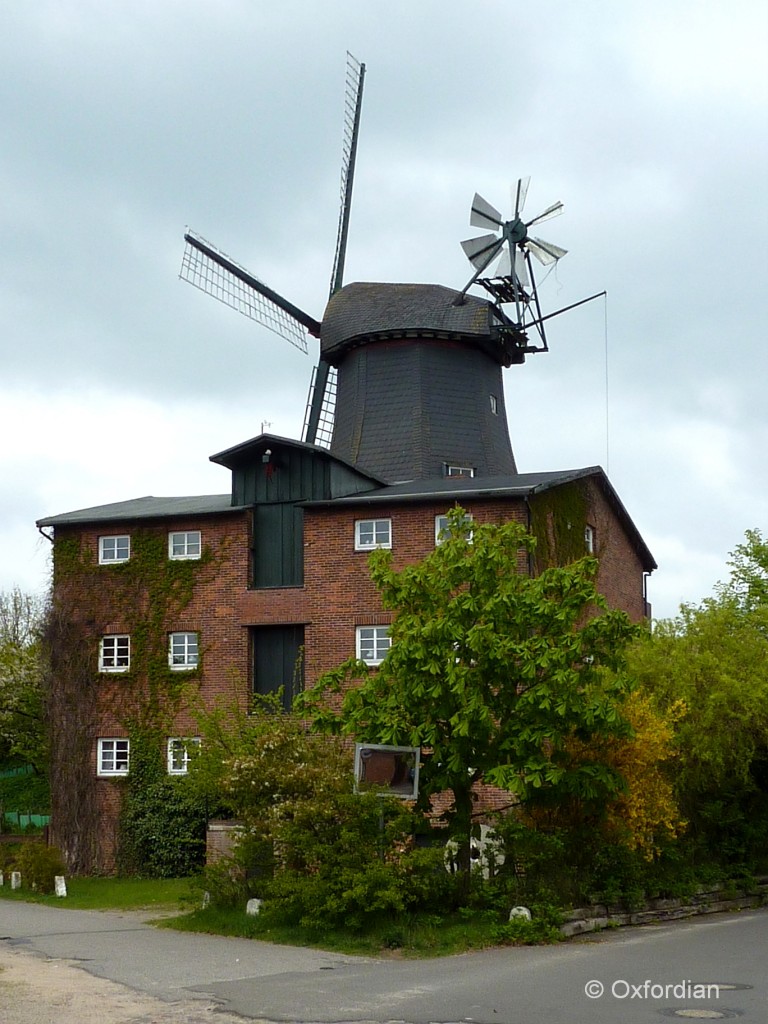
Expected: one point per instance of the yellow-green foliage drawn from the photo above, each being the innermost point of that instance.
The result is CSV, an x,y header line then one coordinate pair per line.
x,y
647,812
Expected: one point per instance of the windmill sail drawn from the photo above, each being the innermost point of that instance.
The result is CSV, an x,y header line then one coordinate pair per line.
x,y
353,105
318,421
215,273
210,270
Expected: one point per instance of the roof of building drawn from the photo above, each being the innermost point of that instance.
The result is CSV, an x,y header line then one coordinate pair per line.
x,y
365,311
246,450
148,507
521,485
472,487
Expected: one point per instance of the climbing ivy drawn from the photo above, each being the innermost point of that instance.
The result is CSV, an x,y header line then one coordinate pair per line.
x,y
147,594
70,711
558,520
162,820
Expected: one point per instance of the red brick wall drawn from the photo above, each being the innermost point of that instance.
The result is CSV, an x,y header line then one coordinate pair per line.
x,y
221,839
620,576
213,611
340,594
97,600
337,596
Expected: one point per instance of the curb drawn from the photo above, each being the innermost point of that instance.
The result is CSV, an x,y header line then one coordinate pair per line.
x,y
710,901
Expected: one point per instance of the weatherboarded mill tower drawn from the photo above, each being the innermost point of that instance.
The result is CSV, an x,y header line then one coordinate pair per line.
x,y
419,389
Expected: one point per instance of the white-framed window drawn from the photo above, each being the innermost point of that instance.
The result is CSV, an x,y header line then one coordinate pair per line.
x,y
183,650
494,405
589,539
114,549
442,531
115,653
178,753
450,470
184,544
113,757
373,533
372,643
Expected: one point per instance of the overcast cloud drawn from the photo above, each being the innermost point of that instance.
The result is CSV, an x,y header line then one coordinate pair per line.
x,y
123,122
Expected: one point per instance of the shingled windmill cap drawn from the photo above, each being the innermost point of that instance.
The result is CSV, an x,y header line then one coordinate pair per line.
x,y
365,312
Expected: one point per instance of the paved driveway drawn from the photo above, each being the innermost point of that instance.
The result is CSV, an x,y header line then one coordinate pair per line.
x,y
646,974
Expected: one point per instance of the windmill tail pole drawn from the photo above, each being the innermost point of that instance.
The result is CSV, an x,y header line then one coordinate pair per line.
x,y
573,305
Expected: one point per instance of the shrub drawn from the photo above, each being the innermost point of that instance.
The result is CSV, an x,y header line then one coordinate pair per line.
x,y
525,933
39,866
8,852
357,896
227,884
162,830
162,818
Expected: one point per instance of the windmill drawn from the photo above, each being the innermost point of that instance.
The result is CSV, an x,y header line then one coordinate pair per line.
x,y
512,281
212,271
408,383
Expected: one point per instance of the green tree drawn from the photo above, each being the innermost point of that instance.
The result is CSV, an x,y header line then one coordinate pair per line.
x,y
319,853
22,729
21,679
749,572
490,671
714,657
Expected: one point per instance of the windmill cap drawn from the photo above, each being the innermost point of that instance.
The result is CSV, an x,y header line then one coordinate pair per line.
x,y
366,312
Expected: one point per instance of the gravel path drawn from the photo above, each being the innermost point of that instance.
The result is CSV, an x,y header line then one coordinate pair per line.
x,y
34,990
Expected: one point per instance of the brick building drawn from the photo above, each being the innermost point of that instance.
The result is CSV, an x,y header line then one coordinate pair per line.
x,y
267,585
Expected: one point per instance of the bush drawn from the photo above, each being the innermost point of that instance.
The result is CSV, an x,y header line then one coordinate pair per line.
x,y
162,830
8,853
39,866
525,933
162,819
358,897
227,884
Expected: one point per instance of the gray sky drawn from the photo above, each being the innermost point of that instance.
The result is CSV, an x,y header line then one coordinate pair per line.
x,y
125,121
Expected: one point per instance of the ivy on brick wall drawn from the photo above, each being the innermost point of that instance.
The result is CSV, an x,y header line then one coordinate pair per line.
x,y
70,707
162,820
558,520
147,595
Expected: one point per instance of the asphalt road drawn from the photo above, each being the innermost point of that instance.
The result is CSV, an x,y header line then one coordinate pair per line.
x,y
647,974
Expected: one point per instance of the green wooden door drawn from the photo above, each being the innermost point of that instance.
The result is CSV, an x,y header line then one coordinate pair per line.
x,y
278,545
278,660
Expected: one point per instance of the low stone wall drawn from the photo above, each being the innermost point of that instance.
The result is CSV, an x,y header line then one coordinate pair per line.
x,y
710,901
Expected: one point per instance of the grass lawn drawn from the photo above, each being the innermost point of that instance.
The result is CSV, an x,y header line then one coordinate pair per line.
x,y
418,935
170,900
161,895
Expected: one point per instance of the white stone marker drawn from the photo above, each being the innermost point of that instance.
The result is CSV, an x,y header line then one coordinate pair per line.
x,y
253,907
523,913
15,879
61,885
